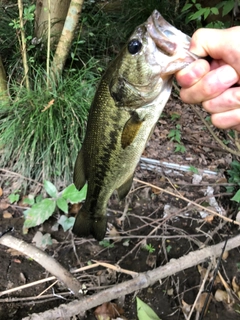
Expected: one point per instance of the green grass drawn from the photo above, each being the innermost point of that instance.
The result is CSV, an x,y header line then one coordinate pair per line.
x,y
44,144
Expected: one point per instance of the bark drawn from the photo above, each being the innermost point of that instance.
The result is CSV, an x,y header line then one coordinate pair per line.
x,y
23,45
3,83
66,38
58,13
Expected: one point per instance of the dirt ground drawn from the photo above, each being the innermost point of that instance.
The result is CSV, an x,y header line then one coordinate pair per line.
x,y
168,225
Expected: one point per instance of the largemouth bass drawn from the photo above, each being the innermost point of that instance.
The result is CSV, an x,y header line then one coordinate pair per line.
x,y
127,105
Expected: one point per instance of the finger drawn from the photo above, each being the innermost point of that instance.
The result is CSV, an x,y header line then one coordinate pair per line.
x,y
219,44
227,120
192,73
211,85
228,100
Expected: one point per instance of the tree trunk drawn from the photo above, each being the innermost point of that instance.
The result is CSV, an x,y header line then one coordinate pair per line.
x,y
58,13
66,38
3,83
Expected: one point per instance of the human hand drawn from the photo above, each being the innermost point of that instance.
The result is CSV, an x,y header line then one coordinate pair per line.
x,y
211,83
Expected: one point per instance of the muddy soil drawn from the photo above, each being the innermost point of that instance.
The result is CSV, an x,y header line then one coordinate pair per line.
x,y
166,224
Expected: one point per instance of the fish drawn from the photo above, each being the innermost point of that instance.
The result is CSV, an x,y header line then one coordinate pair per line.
x,y
127,104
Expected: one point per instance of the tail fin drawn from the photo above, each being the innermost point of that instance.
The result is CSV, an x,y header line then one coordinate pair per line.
x,y
85,224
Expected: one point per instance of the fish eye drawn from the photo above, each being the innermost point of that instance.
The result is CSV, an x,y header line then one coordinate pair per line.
x,y
134,46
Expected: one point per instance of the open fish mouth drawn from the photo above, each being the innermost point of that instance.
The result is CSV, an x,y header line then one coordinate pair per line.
x,y
167,38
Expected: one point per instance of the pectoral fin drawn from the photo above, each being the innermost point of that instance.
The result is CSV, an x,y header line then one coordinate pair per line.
x,y
130,131
79,177
125,188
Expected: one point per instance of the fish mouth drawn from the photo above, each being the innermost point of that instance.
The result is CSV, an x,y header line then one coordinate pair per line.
x,y
166,37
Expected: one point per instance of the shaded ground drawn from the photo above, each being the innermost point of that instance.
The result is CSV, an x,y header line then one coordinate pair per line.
x,y
163,222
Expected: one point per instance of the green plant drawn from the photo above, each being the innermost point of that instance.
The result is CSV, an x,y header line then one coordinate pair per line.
x,y
14,197
106,244
168,249
234,177
149,248
175,116
43,209
193,169
175,135
41,131
195,12
144,312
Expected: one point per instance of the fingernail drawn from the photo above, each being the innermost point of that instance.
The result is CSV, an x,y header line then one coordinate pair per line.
x,y
227,75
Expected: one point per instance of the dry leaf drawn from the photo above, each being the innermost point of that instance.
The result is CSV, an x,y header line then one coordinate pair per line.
x,y
7,215
235,286
151,260
4,205
186,308
14,252
225,255
50,103
222,296
74,208
114,233
202,271
1,192
209,218
217,280
201,301
170,292
156,191
22,278
108,311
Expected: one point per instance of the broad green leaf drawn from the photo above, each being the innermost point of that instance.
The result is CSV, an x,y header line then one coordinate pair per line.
x,y
39,213
50,188
180,148
29,200
72,195
206,13
197,14
228,6
42,241
178,136
13,197
198,6
171,133
66,222
236,197
168,249
186,7
62,204
144,312
214,10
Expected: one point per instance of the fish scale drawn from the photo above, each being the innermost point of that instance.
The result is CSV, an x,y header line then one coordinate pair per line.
x,y
127,105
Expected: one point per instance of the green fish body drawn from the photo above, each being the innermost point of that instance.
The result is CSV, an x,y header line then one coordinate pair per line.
x,y
127,105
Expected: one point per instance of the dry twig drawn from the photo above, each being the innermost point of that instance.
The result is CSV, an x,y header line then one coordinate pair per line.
x,y
143,280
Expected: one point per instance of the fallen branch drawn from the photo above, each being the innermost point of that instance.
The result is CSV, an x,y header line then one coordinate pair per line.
x,y
143,280
44,260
